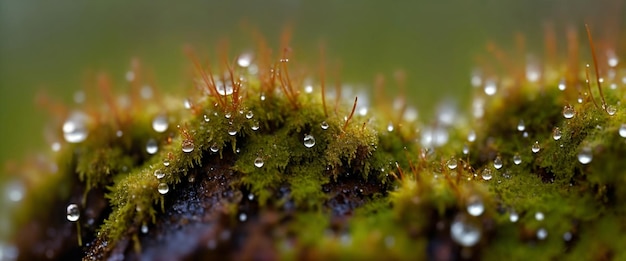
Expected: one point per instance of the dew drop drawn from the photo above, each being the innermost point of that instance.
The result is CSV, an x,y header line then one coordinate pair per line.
x,y
466,149
187,146
539,216
232,131
152,147
255,126
390,127
159,174
517,159
206,118
324,125
187,104
486,174
224,89
258,162
243,217
56,146
463,233
556,133
497,163
249,115
521,126
159,123
308,89
309,141
166,162
475,206
144,229
75,128
214,148
542,233
622,130
471,136
611,110
250,196
585,155
244,60
73,214
568,111
452,163
228,115
567,236
490,88
163,188
15,191
513,216
562,85
535,148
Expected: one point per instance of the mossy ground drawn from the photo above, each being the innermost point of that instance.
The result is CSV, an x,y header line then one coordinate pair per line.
x,y
244,180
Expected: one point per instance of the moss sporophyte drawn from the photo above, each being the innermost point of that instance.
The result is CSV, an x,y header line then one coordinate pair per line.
x,y
267,162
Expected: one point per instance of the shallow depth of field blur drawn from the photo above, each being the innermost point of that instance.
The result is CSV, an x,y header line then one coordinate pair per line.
x,y
50,46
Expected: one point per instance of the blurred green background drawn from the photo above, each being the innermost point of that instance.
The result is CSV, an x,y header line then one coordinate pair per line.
x,y
49,45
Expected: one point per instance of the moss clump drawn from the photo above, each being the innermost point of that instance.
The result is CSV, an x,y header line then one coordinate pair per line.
x,y
255,165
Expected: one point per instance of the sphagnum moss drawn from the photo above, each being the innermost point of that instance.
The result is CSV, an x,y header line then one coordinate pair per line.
x,y
258,164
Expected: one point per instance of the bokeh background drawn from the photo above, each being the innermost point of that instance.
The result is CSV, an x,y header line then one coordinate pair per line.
x,y
49,45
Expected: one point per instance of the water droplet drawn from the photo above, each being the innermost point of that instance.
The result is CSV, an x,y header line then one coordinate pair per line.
x,y
144,229
159,174
542,233
224,89
228,115
152,147
562,85
452,163
206,118
249,115
244,60
262,97
163,188
490,88
325,126
187,145
622,130
513,216
471,136
166,162
556,133
535,148
611,110
466,149
255,126
214,148
390,127
475,206
187,104
15,191
309,141
521,126
463,233
487,175
232,131
250,196
517,159
308,89
75,127
585,155
497,163
73,214
160,124
258,162
567,236
243,217
568,111
539,216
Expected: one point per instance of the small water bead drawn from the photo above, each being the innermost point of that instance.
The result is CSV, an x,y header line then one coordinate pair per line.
x,y
562,86
521,126
228,115
568,111
144,229
556,133
15,191
390,127
622,130
487,174
159,174
255,126
309,141
513,216
152,147
250,196
166,162
490,88
224,89
585,155
542,233
464,234
611,110
324,125
244,60
308,89
567,236
56,146
232,131
497,163
466,149
75,127
206,118
187,104
187,146
471,136
163,188
73,213
517,159
535,148
475,206
214,148
452,163
258,162
249,115
243,217
160,124
539,216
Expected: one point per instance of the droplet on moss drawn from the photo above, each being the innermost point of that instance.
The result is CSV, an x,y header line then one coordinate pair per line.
x,y
206,118
73,214
539,216
568,111
622,130
324,125
144,229
163,188
585,155
497,163
542,233
475,206
611,110
513,216
517,159
452,163
243,217
75,128
160,124
471,136
562,86
535,148
490,88
487,174
187,146
258,162
521,126
249,115
152,147
159,174
464,233
556,133
254,126
309,141
214,148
